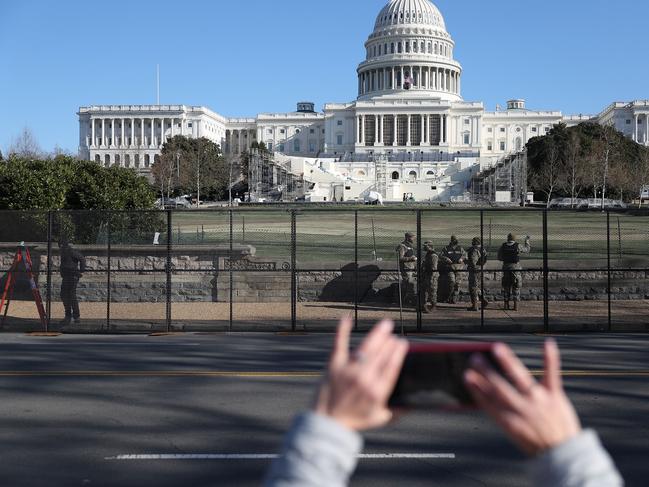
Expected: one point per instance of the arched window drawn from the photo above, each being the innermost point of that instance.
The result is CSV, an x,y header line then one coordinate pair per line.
x,y
118,159
400,47
430,175
147,160
430,48
436,49
407,46
412,175
137,160
422,46
127,160
296,145
107,160
519,143
395,176
392,48
97,158
156,159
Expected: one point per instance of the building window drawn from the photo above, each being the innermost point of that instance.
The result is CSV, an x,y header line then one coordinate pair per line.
x,y
412,175
395,176
467,138
269,146
190,125
467,121
339,139
490,130
270,131
490,146
281,147
430,175
534,129
340,123
392,48
312,131
628,122
502,145
502,130
311,147
547,129
296,145
282,131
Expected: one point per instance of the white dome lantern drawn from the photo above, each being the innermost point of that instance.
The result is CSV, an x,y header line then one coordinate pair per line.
x,y
410,52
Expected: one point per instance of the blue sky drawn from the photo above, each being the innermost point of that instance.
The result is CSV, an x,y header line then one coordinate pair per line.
x,y
241,58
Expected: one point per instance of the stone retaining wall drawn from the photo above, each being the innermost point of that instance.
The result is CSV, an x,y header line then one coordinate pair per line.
x,y
201,274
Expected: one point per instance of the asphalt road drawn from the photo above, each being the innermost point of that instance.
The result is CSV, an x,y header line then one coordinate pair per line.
x,y
72,405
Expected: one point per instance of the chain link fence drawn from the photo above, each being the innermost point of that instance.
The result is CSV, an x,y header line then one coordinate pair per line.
x,y
301,269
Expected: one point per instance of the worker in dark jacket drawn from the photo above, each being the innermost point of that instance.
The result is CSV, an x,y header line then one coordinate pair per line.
x,y
512,282
73,265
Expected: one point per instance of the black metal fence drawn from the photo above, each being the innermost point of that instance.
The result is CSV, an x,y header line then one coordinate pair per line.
x,y
301,269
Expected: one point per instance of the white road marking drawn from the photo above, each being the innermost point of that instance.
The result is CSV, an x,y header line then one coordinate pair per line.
x,y
271,456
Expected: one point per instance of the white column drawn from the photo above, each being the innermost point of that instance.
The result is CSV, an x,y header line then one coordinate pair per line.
x,y
422,139
112,132
141,132
408,141
395,140
401,76
103,132
635,129
394,78
381,130
646,128
362,129
92,127
376,129
132,133
173,127
162,133
123,142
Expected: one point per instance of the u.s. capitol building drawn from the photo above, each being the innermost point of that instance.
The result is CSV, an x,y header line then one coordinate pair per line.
x,y
409,124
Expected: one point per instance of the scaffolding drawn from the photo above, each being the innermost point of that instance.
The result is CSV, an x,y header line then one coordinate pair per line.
x,y
272,180
508,175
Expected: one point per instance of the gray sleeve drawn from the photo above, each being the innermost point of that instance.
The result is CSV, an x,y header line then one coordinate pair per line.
x,y
317,451
580,462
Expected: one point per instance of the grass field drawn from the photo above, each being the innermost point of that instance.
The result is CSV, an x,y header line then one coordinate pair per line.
x,y
326,238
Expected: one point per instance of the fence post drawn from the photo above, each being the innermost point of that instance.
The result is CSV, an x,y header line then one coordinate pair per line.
x,y
355,270
608,267
48,296
108,267
168,269
546,294
231,274
293,272
419,273
482,242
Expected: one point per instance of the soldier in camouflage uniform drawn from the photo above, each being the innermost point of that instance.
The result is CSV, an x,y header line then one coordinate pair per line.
x,y
429,278
509,253
451,264
476,258
408,267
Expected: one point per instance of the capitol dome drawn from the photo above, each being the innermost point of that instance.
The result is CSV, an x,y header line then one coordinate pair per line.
x,y
399,12
410,53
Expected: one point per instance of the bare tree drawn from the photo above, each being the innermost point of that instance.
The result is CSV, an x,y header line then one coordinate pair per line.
x,y
548,177
643,171
163,171
575,171
25,145
604,151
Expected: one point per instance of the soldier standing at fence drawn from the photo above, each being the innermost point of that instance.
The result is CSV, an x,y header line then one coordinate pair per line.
x,y
451,264
407,267
73,264
429,279
509,253
476,258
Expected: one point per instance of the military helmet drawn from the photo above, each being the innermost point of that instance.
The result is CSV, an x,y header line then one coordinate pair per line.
x,y
511,237
454,240
476,241
428,245
410,235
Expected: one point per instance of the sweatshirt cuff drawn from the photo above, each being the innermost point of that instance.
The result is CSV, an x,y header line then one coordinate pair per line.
x,y
318,451
580,461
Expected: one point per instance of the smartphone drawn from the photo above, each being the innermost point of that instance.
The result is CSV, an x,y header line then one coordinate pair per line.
x,y
432,376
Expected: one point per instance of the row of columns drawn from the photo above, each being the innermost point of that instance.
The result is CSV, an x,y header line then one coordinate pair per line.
x,y
424,77
238,141
424,134
636,126
407,47
98,127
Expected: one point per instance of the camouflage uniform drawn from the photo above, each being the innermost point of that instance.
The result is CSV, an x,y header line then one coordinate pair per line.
x,y
429,278
509,253
407,267
451,264
476,257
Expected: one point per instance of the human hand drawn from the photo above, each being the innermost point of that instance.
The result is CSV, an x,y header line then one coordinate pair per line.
x,y
535,416
356,388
